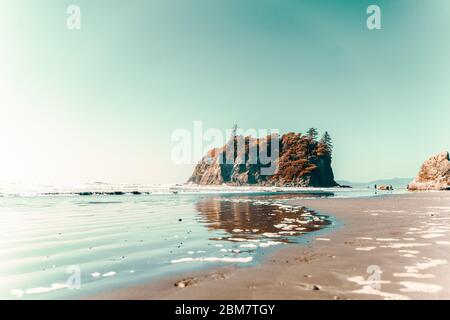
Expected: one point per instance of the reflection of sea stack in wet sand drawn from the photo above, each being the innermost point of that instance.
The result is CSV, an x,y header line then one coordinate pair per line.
x,y
434,174
249,217
302,162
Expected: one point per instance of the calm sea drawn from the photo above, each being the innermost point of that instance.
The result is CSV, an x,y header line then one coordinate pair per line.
x,y
72,244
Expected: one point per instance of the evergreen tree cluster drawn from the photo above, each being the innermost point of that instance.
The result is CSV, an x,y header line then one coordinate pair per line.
x,y
325,140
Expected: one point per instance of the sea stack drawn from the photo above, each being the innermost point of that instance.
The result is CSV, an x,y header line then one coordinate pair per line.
x,y
302,162
434,174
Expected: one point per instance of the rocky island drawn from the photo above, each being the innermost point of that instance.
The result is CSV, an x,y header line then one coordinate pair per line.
x,y
303,161
434,174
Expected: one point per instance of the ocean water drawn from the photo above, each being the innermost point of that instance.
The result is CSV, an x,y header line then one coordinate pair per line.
x,y
70,243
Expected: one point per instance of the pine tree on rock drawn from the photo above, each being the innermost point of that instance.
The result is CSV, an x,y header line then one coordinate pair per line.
x,y
312,134
327,142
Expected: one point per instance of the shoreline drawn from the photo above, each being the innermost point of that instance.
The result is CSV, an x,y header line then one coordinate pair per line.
x,y
388,247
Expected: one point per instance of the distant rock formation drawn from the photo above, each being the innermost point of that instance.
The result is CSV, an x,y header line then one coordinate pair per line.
x,y
302,162
434,174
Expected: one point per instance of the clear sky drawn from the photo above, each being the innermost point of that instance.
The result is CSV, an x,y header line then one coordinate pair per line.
x,y
100,103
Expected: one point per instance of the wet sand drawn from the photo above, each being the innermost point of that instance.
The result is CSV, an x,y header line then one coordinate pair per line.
x,y
390,247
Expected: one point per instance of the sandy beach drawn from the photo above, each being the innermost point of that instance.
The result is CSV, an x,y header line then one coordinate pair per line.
x,y
388,247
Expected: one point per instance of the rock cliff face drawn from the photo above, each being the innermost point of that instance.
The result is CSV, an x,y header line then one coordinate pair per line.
x,y
302,162
434,174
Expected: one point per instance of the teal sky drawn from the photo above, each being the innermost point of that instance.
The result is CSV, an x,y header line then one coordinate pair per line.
x,y
100,104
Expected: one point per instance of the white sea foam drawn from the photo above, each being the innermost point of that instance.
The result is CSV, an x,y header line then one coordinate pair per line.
x,y
420,287
363,282
53,287
405,245
440,208
432,236
378,210
271,235
237,239
18,293
429,263
230,250
269,244
365,248
368,288
288,232
386,295
445,243
214,259
414,275
248,245
109,274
